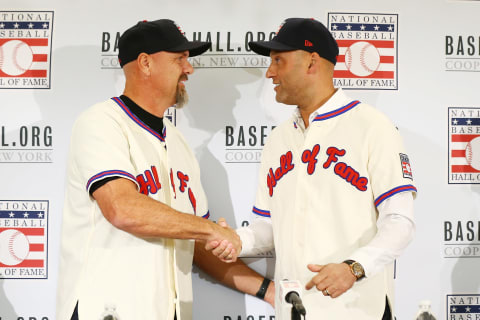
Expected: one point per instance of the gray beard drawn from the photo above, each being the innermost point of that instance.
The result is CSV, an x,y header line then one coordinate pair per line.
x,y
181,97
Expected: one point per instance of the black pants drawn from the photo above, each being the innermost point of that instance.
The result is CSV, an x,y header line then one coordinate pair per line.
x,y
387,314
75,313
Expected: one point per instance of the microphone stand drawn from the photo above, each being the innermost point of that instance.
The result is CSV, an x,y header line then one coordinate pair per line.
x,y
295,314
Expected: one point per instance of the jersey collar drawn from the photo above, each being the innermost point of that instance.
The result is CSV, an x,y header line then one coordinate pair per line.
x,y
137,118
338,104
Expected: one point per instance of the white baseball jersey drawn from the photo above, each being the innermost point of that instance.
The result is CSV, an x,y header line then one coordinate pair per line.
x,y
102,266
321,188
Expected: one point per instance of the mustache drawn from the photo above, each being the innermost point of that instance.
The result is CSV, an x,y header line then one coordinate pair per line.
x,y
183,77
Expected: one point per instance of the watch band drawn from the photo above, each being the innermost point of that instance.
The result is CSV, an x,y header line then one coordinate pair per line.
x,y
263,288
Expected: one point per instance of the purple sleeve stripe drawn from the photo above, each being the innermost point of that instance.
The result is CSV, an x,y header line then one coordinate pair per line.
x,y
388,194
104,174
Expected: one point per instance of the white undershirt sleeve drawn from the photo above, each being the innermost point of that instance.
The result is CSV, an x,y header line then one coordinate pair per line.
x,y
396,228
257,237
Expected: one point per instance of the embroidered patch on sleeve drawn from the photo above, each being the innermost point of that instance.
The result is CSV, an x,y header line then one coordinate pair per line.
x,y
406,169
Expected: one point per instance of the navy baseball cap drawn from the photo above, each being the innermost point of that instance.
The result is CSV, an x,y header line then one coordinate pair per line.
x,y
300,34
155,36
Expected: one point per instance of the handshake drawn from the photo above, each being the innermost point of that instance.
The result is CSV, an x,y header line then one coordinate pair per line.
x,y
224,242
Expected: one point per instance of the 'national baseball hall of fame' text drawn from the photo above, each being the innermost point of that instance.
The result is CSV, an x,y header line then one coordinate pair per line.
x,y
464,145
368,50
463,306
23,239
25,49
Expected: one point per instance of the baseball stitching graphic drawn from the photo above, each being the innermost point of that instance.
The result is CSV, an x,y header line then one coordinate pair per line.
x,y
15,57
362,58
14,247
472,153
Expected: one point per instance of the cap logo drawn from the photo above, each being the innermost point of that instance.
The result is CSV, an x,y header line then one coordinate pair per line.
x,y
308,43
280,27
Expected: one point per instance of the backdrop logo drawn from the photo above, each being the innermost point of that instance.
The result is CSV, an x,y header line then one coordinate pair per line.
x,y
30,144
244,144
109,56
229,49
462,53
463,306
25,49
368,50
23,239
170,114
461,239
464,145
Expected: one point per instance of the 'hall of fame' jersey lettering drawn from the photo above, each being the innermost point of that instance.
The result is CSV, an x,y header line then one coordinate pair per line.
x,y
310,157
343,170
193,201
183,180
149,182
286,165
173,184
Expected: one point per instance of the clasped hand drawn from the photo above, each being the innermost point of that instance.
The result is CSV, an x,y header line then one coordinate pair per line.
x,y
226,244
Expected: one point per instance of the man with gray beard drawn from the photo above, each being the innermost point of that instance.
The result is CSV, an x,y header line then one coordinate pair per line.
x,y
134,206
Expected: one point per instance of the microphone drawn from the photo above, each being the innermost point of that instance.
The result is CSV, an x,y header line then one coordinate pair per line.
x,y
291,291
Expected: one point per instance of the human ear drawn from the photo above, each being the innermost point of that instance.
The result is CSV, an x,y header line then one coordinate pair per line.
x,y
313,62
144,63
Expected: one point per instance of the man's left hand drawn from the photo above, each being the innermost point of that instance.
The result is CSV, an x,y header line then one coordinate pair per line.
x,y
332,279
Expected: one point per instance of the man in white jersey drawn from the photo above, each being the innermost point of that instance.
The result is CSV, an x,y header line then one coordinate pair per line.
x,y
335,192
134,201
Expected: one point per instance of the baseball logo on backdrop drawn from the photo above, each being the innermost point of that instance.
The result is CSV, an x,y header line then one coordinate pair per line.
x,y
14,247
362,58
367,50
464,145
472,153
463,306
15,57
23,239
25,49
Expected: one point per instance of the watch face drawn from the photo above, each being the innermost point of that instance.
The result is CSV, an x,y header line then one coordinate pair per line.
x,y
357,270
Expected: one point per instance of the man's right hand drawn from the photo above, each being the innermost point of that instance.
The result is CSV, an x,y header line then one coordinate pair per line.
x,y
225,243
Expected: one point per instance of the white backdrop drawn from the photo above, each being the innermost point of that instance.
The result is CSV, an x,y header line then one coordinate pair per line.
x,y
426,57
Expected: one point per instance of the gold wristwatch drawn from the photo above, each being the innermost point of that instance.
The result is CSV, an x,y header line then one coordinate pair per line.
x,y
356,268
